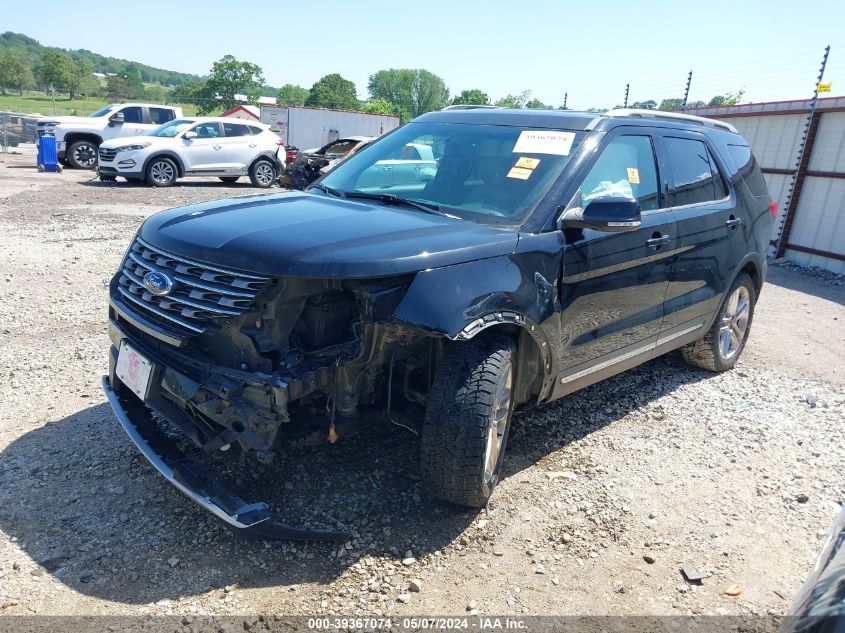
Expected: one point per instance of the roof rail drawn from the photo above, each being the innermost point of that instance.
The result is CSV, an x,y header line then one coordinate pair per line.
x,y
671,116
467,106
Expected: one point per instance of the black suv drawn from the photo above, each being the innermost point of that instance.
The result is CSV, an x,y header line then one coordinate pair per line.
x,y
539,252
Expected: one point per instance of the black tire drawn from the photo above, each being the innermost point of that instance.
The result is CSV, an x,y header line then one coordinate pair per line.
x,y
263,173
107,178
161,172
710,352
229,179
465,409
82,154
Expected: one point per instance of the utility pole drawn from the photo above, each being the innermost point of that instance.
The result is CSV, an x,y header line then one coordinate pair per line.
x,y
686,92
794,192
627,87
565,95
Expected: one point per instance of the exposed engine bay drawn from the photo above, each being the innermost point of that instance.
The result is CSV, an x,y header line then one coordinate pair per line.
x,y
295,369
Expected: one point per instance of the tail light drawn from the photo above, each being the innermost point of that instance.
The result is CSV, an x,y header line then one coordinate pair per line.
x,y
280,143
773,209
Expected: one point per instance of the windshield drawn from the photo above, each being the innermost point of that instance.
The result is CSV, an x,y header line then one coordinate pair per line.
x,y
490,174
171,128
104,111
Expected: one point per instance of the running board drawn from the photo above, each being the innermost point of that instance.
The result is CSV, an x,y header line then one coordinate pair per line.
x,y
252,520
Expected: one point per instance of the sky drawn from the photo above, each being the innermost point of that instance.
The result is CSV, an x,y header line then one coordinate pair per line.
x,y
589,51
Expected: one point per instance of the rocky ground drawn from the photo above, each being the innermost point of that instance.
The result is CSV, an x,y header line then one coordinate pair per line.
x,y
608,493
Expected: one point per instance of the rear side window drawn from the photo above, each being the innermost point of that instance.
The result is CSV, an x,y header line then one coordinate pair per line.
x,y
161,115
254,129
235,129
695,176
748,170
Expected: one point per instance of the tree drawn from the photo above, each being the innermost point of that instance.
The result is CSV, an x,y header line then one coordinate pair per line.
x,y
670,105
536,104
471,97
292,95
80,79
229,77
55,69
729,98
15,71
651,104
514,101
379,106
413,90
333,91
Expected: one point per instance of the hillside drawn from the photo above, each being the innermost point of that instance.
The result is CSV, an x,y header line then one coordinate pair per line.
x,y
100,63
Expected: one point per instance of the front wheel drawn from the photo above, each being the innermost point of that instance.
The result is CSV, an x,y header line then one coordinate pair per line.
x,y
467,420
161,172
263,174
82,154
721,347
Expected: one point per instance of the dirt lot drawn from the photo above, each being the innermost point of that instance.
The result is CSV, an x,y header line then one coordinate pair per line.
x,y
606,495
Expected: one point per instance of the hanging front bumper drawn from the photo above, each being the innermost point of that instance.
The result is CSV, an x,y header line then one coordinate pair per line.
x,y
253,520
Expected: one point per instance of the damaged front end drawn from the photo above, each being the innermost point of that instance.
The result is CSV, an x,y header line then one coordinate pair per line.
x,y
247,364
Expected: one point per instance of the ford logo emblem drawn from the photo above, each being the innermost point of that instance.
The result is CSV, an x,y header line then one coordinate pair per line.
x,y
157,283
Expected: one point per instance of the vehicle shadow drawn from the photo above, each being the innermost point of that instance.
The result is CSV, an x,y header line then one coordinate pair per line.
x,y
204,183
88,509
818,285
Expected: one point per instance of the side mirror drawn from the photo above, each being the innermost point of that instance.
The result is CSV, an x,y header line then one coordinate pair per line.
x,y
190,134
117,118
611,214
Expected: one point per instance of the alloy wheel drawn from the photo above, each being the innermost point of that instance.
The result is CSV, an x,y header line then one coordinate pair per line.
x,y
498,423
162,172
734,322
264,174
85,155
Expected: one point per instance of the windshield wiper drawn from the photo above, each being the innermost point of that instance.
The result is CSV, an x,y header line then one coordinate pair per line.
x,y
389,198
333,192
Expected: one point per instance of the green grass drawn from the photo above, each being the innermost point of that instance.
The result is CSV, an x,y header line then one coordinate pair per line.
x,y
34,102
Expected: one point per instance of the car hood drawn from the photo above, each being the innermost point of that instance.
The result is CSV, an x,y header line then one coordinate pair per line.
x,y
68,119
310,235
130,140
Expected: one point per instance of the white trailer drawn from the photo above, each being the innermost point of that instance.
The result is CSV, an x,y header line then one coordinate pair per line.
x,y
309,128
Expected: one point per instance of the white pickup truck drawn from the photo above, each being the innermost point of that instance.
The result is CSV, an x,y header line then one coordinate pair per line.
x,y
78,137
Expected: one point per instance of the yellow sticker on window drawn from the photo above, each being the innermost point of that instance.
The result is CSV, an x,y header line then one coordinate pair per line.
x,y
527,163
633,175
520,173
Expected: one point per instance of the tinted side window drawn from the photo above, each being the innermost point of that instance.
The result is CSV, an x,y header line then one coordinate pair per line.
x,y
695,176
161,115
255,130
235,129
748,170
626,168
133,114
209,129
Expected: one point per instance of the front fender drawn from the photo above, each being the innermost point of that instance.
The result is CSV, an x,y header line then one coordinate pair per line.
x,y
459,301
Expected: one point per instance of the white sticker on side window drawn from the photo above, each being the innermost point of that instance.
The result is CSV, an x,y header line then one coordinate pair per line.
x,y
544,142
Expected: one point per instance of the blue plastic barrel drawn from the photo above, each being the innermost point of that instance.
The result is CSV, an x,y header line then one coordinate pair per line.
x,y
48,158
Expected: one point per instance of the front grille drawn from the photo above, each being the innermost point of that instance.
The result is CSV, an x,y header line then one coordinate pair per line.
x,y
200,293
107,155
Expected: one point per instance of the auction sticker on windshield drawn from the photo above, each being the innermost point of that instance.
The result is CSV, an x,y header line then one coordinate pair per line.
x,y
544,142
133,370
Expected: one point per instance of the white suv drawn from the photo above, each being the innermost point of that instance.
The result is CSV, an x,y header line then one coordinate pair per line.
x,y
211,146
78,137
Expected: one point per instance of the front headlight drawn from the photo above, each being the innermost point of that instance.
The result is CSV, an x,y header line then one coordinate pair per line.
x,y
132,148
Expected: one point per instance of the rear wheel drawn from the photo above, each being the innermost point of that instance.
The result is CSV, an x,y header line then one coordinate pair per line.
x,y
721,347
82,154
263,173
229,179
467,420
161,172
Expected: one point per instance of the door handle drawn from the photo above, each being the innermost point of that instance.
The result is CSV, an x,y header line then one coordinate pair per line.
x,y
733,222
253,145
387,168
655,242
140,129
218,147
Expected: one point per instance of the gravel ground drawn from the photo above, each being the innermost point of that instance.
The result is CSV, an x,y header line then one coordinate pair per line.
x,y
607,494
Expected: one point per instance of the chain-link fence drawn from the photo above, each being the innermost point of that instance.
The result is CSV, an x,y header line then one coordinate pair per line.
x,y
16,129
